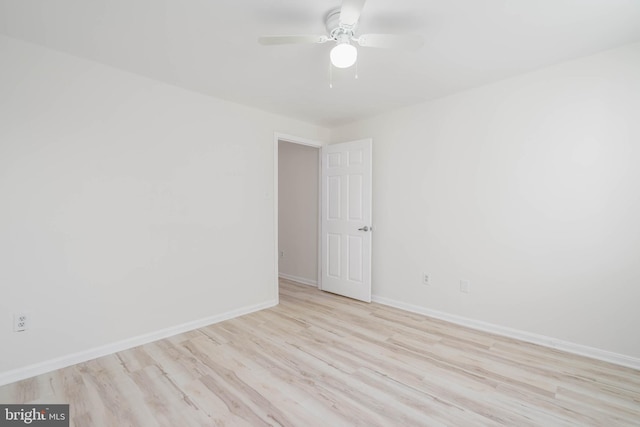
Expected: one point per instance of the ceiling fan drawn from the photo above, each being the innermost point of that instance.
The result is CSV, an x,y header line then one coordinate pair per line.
x,y
341,28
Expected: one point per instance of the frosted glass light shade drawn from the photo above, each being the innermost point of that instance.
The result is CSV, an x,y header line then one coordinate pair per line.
x,y
343,55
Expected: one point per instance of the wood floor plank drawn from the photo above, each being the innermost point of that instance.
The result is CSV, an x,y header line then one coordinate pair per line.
x,y
318,359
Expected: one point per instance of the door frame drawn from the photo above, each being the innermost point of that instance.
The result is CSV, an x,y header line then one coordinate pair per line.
x,y
277,137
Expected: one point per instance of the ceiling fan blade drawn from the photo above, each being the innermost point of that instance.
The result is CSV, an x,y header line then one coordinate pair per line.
x,y
350,12
273,40
391,41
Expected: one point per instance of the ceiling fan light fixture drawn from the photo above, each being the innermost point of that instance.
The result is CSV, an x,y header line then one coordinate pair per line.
x,y
343,55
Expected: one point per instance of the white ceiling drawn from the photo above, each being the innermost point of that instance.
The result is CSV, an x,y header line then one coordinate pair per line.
x,y
210,46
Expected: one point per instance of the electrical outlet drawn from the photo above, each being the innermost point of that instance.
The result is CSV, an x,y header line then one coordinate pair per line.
x,y
426,279
20,322
465,286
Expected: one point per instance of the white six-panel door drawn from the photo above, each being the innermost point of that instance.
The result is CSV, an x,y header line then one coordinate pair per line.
x,y
346,219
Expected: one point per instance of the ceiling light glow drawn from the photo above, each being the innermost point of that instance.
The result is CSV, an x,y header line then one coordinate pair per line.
x,y
343,55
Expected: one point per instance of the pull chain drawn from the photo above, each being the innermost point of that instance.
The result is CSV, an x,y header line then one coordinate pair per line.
x,y
356,70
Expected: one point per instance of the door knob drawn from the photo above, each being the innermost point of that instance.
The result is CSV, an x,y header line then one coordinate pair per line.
x,y
365,228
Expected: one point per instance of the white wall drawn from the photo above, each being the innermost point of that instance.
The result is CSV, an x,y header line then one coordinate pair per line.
x,y
530,189
298,211
126,205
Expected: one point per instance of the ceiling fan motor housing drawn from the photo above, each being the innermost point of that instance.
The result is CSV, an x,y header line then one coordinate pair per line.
x,y
336,30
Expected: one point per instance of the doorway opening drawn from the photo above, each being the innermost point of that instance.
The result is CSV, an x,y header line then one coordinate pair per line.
x,y
297,210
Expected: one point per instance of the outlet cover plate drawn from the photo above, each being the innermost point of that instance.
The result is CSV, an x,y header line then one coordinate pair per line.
x,y
465,286
20,322
426,279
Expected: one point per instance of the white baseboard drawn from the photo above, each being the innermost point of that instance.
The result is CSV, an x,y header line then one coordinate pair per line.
x,y
569,347
93,353
298,279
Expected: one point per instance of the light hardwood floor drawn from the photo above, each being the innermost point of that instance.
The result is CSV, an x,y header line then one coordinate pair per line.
x,y
322,360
